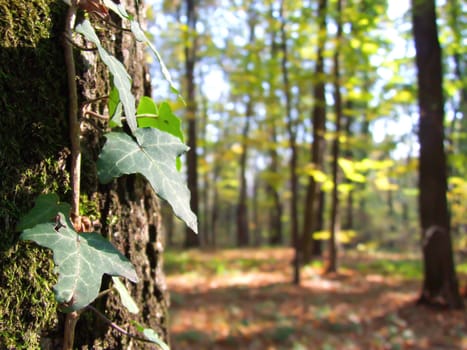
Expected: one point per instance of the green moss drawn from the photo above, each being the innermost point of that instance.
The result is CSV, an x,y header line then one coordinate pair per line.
x,y
33,141
89,207
27,301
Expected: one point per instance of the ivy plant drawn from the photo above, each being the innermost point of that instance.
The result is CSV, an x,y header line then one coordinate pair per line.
x,y
151,146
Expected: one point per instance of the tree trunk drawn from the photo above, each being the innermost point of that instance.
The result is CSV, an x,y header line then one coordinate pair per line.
x,y
35,159
290,125
440,280
275,213
312,247
191,238
331,265
243,234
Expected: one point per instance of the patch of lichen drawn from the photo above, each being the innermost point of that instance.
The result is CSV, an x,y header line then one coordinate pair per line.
x,y
33,141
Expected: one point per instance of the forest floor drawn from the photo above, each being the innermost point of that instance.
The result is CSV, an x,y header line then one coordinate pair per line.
x,y
243,299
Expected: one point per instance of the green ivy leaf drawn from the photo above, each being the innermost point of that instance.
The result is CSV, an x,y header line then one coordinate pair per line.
x,y
162,118
153,155
151,335
147,110
81,260
119,9
121,78
45,209
141,36
125,296
115,108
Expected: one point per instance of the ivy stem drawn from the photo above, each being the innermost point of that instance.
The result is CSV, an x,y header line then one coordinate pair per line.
x,y
117,327
73,112
70,325
74,129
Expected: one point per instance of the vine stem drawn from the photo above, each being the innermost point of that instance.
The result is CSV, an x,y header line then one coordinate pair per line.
x,y
117,327
74,133
74,127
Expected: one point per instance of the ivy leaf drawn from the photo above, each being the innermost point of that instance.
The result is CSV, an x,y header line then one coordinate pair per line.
x,y
141,36
115,108
119,9
151,335
45,209
164,120
147,110
81,260
121,78
153,155
125,296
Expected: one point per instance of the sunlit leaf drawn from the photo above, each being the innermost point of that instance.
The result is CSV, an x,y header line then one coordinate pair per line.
x,y
115,108
119,9
349,170
125,297
382,183
151,335
161,118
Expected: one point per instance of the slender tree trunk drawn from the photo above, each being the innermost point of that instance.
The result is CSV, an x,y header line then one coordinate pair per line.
x,y
256,216
205,232
312,247
191,238
293,149
440,280
332,247
348,154
243,234
275,213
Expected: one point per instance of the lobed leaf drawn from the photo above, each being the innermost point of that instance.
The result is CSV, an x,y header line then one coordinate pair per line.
x,y
81,260
162,118
45,209
153,155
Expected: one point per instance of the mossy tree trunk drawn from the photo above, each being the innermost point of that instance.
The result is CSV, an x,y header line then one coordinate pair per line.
x,y
34,159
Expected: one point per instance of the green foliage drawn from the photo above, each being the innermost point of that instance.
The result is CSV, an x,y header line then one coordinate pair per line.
x,y
161,118
121,79
45,209
152,155
125,296
81,260
404,268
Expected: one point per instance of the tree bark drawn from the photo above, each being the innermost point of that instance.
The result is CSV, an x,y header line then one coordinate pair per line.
x,y
291,131
312,247
331,265
440,280
191,238
275,213
36,139
243,234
